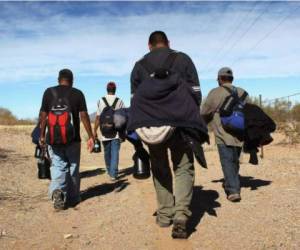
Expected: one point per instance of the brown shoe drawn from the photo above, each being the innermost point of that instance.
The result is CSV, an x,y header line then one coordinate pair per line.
x,y
179,229
234,197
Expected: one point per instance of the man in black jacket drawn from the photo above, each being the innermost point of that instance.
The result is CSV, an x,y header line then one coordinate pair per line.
x,y
172,206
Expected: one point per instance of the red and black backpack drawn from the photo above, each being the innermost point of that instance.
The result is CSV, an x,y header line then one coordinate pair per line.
x,y
60,120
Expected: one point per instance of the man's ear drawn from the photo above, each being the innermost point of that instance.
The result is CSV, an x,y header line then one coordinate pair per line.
x,y
168,43
150,46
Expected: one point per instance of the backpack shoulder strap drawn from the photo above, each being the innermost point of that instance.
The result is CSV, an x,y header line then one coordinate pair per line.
x,y
115,103
170,60
105,102
67,95
54,96
54,93
229,90
149,67
244,96
234,92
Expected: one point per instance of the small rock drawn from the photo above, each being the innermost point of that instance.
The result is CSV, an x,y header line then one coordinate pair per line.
x,y
88,243
68,236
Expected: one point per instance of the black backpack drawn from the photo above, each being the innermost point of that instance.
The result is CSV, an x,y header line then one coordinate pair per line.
x,y
107,125
60,120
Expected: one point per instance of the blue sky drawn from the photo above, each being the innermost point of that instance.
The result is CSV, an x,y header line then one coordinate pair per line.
x,y
100,41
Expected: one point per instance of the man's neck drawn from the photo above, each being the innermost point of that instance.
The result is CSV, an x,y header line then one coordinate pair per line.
x,y
159,46
226,83
65,84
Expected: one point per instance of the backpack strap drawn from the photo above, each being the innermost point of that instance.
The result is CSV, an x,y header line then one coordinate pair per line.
x,y
54,94
56,97
115,103
66,98
113,106
170,60
244,96
150,68
234,92
105,102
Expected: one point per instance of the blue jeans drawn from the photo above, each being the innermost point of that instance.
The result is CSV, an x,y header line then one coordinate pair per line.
x,y
65,161
229,157
111,156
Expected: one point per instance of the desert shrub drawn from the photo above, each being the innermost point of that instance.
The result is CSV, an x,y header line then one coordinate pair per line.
x,y
7,118
296,112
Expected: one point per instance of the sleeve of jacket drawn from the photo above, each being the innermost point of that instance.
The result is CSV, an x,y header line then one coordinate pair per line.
x,y
192,77
209,107
135,78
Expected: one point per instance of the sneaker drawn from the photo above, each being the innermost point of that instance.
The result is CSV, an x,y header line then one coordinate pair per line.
x,y
163,224
58,200
113,179
179,229
234,197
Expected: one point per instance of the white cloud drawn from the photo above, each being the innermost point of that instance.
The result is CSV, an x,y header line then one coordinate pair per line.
x,y
34,47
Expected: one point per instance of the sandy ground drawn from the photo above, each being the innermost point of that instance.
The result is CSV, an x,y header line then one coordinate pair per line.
x,y
120,215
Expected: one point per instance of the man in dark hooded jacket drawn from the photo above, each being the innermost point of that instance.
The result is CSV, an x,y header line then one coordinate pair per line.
x,y
173,205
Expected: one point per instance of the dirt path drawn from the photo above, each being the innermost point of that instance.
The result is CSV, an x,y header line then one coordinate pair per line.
x,y
119,216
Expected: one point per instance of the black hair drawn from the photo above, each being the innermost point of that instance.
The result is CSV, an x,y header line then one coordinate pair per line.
x,y
111,91
226,78
157,37
66,74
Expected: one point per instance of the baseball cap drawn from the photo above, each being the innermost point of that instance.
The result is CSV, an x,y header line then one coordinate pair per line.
x,y
225,71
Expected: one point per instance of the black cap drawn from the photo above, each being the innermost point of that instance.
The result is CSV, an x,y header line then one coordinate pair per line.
x,y
66,74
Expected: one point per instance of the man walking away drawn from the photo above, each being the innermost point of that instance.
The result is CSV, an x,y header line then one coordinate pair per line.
x,y
110,137
229,145
173,205
62,108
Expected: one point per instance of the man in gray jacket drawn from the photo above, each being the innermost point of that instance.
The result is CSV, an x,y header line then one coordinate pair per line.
x,y
229,146
173,206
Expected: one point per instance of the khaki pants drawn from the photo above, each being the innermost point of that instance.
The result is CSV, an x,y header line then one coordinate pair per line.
x,y
172,204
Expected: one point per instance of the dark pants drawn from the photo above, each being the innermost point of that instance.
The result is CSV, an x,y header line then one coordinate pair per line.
x,y
229,157
172,204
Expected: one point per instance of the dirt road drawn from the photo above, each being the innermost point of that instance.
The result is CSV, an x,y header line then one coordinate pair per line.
x,y
120,215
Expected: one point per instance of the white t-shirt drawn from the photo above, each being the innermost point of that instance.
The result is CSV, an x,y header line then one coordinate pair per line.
x,y
101,105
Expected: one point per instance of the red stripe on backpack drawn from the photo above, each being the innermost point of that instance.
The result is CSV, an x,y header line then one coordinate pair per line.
x,y
62,121
52,119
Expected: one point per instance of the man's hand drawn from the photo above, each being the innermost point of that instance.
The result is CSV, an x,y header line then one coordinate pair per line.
x,y
42,142
87,124
90,144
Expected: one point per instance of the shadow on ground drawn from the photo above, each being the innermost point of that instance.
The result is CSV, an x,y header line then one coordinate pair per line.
x,y
249,182
204,201
125,172
6,155
104,189
92,173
